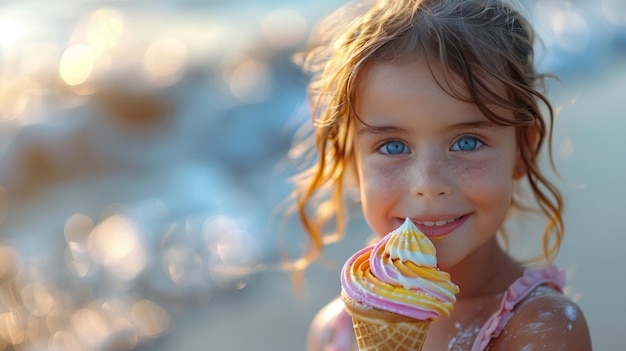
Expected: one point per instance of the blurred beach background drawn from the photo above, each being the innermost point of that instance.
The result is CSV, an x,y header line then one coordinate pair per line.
x,y
144,147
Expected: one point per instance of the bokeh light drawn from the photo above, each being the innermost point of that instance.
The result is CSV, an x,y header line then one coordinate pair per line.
x,y
90,325
12,31
14,97
77,63
249,79
562,27
65,341
104,28
571,30
10,262
615,11
150,319
184,262
40,299
284,28
164,60
115,244
235,254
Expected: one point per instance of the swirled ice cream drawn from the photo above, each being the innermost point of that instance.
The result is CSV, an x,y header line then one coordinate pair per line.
x,y
399,274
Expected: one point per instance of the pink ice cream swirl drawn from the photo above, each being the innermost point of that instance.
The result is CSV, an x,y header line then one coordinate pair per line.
x,y
399,274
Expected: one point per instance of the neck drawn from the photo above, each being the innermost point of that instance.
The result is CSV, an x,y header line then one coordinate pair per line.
x,y
487,271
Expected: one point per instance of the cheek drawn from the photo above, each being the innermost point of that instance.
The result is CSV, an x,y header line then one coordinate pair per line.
x,y
380,190
489,183
381,182
373,192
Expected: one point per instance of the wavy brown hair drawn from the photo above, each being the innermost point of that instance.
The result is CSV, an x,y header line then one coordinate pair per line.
x,y
487,45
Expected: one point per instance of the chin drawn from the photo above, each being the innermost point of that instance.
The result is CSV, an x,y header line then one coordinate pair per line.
x,y
447,263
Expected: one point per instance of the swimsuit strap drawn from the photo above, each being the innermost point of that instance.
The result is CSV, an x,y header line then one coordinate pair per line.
x,y
518,291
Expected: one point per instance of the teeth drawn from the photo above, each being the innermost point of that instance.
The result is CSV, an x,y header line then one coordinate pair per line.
x,y
438,223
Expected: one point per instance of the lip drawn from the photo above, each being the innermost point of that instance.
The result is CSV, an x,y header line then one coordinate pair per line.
x,y
442,230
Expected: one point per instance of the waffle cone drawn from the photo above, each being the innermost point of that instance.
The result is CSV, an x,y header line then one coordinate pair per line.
x,y
378,330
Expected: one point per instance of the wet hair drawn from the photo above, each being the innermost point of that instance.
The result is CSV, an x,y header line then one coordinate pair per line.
x,y
486,45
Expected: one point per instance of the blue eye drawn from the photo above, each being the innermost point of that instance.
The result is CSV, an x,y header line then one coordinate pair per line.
x,y
467,143
394,148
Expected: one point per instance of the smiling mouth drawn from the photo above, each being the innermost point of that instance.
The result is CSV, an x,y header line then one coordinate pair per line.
x,y
439,223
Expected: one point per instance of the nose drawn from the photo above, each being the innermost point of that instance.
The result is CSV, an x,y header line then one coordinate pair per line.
x,y
431,177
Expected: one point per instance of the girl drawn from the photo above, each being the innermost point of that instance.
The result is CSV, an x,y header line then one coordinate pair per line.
x,y
432,109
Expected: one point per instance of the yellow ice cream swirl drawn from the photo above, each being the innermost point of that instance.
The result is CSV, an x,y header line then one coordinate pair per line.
x,y
400,274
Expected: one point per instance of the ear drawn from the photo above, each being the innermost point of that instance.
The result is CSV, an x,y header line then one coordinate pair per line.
x,y
532,137
520,168
528,146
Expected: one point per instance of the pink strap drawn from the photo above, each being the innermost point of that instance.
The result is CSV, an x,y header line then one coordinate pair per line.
x,y
517,292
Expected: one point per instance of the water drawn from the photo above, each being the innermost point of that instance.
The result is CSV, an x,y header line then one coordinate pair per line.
x,y
139,185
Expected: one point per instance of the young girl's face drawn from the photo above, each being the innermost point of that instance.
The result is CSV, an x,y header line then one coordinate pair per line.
x,y
425,155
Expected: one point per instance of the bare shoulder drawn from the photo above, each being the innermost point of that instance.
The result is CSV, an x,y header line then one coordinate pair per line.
x,y
546,320
331,326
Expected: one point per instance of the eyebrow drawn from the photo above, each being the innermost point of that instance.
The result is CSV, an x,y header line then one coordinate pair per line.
x,y
478,124
374,130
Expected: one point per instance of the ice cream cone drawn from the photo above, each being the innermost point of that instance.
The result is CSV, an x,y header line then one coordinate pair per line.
x,y
378,330
394,290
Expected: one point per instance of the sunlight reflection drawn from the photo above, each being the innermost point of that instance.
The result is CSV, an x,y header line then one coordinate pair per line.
x,y
14,97
572,31
10,262
90,325
40,299
164,60
184,266
566,149
77,230
182,262
284,28
564,27
76,64
122,331
104,28
12,326
150,318
12,31
235,253
115,244
57,319
65,341
615,11
249,80
38,62
77,262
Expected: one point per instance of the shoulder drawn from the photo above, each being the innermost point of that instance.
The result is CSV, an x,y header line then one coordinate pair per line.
x,y
548,319
331,329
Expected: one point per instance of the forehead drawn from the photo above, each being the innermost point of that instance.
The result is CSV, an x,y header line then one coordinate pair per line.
x,y
385,87
398,81
406,76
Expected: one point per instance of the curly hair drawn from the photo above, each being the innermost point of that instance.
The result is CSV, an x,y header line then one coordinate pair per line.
x,y
487,45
